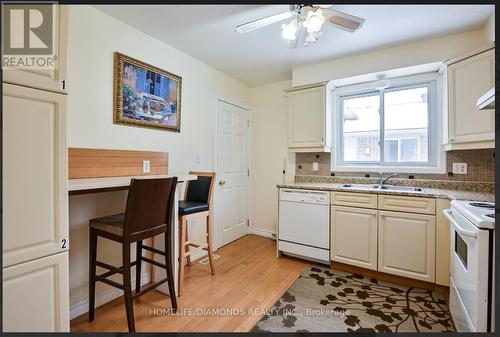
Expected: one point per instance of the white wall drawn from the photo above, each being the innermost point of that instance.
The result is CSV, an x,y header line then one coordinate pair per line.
x,y
269,150
427,51
93,37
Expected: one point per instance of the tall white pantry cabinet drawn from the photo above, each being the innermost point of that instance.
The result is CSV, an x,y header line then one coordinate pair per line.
x,y
35,196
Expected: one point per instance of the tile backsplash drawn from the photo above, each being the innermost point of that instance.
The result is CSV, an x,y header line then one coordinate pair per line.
x,y
480,166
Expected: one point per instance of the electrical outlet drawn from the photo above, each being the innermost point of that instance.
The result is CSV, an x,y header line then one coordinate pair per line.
x,y
459,168
315,166
146,166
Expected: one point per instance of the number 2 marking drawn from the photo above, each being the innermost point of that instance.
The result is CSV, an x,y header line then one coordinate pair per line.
x,y
63,243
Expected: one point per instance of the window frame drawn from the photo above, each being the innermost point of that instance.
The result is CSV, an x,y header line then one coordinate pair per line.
x,y
436,156
398,140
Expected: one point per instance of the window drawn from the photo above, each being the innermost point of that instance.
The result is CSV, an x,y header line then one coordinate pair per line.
x,y
395,127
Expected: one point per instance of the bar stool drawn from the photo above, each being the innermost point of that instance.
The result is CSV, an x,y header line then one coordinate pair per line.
x,y
197,203
148,213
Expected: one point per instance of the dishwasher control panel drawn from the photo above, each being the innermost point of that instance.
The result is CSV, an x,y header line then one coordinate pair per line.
x,y
305,196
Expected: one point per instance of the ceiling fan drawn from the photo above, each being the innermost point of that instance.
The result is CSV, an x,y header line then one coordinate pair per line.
x,y
305,19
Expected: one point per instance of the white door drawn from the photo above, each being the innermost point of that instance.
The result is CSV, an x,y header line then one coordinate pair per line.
x,y
232,172
406,245
35,195
36,295
354,236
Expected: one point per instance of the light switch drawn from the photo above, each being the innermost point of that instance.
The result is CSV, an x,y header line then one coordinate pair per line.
x,y
197,158
146,166
459,168
315,166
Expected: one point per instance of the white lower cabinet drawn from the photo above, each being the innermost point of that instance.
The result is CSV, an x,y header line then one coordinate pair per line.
x,y
407,245
396,236
354,236
36,295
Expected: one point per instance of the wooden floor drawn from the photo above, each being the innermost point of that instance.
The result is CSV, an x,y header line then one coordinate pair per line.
x,y
249,276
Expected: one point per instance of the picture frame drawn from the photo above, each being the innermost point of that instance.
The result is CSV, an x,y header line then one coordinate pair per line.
x,y
145,95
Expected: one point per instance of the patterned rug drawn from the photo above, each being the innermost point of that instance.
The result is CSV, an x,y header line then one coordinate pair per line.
x,y
326,300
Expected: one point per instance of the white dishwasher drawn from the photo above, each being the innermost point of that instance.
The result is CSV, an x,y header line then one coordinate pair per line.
x,y
304,224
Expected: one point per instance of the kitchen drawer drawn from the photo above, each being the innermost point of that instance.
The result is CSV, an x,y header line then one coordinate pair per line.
x,y
362,200
407,204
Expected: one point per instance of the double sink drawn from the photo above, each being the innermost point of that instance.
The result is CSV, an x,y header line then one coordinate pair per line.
x,y
383,187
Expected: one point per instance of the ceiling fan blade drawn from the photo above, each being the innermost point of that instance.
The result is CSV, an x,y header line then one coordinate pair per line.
x,y
252,25
292,44
323,6
344,21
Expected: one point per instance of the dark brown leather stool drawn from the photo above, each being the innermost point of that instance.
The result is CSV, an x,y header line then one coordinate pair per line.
x,y
148,213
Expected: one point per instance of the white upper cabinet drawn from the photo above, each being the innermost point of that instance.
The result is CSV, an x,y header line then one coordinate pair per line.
x,y
309,118
468,79
35,197
47,79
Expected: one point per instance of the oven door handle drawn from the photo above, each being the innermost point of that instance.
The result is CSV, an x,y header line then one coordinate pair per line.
x,y
460,230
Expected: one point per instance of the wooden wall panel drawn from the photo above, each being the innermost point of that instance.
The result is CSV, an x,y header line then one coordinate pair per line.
x,y
95,163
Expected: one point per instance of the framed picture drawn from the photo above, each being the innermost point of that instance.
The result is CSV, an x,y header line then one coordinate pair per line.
x,y
146,96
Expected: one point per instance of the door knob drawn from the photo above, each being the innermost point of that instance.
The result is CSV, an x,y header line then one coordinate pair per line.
x,y
222,182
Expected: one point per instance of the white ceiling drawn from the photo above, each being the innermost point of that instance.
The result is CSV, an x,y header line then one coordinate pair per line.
x,y
206,32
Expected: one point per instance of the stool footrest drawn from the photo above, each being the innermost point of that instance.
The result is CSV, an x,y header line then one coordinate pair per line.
x,y
154,250
110,267
109,282
196,250
114,270
150,287
156,263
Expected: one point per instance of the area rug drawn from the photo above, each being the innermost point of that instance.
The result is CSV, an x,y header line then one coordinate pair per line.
x,y
326,300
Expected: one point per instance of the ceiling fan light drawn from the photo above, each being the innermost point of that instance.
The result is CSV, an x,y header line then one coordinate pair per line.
x,y
313,36
314,20
289,31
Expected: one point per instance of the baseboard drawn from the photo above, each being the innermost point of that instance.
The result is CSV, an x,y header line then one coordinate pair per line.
x,y
262,232
103,298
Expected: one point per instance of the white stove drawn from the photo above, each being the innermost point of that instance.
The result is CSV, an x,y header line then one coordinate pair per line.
x,y
472,226
481,214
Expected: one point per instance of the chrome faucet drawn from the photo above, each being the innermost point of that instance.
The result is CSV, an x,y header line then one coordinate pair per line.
x,y
382,180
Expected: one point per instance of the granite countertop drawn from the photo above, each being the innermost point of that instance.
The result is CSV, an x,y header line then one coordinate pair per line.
x,y
426,192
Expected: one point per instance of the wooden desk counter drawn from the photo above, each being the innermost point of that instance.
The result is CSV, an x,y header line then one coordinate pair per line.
x,y
94,185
